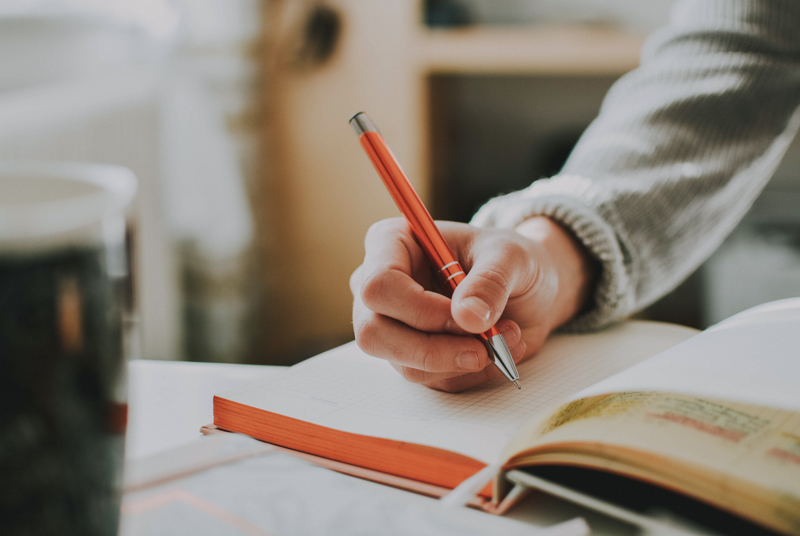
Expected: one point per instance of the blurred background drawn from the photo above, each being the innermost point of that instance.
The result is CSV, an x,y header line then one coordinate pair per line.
x,y
254,194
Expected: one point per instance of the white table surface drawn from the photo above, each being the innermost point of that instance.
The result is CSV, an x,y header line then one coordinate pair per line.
x,y
168,402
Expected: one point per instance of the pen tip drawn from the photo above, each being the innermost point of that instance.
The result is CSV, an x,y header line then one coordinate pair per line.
x,y
516,382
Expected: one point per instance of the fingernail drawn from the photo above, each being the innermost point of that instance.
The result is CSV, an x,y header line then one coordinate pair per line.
x,y
468,361
509,336
478,307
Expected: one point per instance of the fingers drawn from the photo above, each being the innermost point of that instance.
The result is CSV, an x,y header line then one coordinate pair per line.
x,y
425,335
386,282
387,338
395,294
457,383
501,268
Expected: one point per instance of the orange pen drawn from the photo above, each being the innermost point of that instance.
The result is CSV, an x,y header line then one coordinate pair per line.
x,y
425,230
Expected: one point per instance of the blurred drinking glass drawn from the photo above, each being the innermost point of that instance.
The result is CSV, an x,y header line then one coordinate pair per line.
x,y
64,285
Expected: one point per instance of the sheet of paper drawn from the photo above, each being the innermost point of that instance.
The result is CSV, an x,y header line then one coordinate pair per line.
x,y
271,493
752,357
350,391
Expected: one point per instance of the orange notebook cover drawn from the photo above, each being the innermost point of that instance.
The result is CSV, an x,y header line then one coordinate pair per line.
x,y
416,486
420,463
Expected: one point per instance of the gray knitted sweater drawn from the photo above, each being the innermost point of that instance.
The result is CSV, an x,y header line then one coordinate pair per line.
x,y
682,147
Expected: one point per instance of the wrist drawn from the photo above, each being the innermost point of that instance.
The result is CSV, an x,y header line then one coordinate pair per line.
x,y
574,267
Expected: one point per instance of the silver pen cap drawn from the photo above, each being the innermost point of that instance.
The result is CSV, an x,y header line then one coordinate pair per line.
x,y
362,123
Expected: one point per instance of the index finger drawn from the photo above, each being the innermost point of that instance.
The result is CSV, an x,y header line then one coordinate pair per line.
x,y
393,279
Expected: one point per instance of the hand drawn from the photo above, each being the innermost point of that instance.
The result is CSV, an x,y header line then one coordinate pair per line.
x,y
527,281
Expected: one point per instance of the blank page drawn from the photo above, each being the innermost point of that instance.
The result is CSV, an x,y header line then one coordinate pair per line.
x,y
347,390
752,357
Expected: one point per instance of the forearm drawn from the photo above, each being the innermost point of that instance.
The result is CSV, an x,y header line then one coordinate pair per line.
x,y
679,152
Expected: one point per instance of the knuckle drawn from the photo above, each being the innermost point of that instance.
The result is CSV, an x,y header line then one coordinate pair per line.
x,y
449,385
494,281
420,320
376,229
536,277
367,336
424,358
412,375
515,252
373,289
462,382
380,228
355,281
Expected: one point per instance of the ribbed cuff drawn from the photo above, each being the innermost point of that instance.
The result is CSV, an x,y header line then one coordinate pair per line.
x,y
570,201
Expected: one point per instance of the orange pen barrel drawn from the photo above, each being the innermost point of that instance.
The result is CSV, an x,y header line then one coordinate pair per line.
x,y
406,198
425,231
409,203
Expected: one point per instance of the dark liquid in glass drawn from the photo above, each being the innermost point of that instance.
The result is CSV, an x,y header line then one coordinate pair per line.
x,y
61,431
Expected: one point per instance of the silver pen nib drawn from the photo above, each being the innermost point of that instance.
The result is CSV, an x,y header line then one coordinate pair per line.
x,y
501,356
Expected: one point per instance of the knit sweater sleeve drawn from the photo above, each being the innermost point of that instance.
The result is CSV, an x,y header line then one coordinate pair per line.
x,y
680,150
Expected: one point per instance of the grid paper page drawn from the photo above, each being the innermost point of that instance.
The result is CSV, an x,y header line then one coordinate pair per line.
x,y
350,391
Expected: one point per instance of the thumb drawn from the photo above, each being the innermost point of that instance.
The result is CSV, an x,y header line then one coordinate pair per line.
x,y
480,298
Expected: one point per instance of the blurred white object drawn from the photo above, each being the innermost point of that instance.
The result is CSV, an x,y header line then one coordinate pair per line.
x,y
155,17
49,46
216,24
63,204
113,119
212,84
168,403
212,154
83,87
89,80
205,194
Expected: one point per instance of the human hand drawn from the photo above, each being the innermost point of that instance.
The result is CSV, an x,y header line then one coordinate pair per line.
x,y
526,281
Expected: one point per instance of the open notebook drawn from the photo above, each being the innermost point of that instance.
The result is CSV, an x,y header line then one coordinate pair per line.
x,y
713,416
345,390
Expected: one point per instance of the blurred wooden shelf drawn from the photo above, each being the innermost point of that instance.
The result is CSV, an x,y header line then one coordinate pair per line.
x,y
538,50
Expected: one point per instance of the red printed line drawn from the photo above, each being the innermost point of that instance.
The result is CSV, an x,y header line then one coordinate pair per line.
x,y
178,495
719,431
784,455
